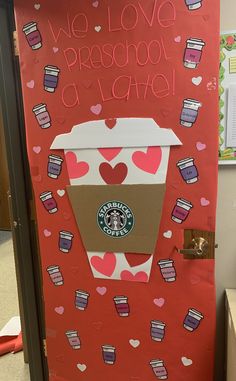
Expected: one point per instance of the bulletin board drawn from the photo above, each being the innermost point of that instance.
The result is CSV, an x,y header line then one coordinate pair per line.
x,y
227,154
121,110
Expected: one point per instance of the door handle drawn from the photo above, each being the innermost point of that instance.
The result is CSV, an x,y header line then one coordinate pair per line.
x,y
198,247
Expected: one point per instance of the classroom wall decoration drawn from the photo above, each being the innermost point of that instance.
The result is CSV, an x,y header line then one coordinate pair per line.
x,y
227,130
121,112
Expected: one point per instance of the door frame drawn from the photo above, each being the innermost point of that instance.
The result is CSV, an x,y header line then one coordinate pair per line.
x,y
23,226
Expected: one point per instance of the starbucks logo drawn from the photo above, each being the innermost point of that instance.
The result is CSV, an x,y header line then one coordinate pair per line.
x,y
115,219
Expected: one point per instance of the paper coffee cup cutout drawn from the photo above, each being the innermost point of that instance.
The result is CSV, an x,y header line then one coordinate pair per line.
x,y
117,185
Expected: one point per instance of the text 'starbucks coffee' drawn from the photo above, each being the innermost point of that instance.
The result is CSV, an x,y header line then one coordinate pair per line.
x,y
115,219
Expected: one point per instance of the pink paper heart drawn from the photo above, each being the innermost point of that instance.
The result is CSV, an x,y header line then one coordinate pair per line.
x,y
47,233
200,146
141,276
30,84
59,310
178,39
105,265
96,109
109,153
98,28
101,290
37,149
75,169
204,201
148,161
95,4
159,302
55,49
37,6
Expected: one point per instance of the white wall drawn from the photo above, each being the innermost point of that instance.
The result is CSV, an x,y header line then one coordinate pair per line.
x,y
226,222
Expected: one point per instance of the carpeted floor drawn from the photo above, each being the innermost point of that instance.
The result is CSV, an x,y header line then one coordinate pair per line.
x,y
12,367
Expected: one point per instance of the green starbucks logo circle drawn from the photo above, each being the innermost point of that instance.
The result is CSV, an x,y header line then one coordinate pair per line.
x,y
115,219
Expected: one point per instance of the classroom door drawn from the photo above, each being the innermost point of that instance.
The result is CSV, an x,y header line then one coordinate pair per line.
x,y
121,109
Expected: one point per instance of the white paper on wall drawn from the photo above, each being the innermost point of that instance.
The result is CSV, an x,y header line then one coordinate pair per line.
x,y
231,117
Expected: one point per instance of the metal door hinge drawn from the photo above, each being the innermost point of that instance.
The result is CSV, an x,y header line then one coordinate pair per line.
x,y
16,43
45,348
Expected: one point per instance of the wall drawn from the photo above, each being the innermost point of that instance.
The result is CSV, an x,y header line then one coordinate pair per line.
x,y
226,221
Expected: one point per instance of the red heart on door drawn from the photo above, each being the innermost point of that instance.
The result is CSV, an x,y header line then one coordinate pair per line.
x,y
136,259
110,123
114,175
105,265
148,161
141,276
109,153
75,169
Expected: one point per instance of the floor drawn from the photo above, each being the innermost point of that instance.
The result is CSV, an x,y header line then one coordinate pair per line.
x,y
12,367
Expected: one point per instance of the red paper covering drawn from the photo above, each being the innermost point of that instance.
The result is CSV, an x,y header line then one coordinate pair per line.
x,y
70,29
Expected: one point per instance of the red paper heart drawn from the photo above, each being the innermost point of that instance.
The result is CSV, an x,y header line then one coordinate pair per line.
x,y
114,175
105,265
136,259
75,169
148,161
109,153
110,123
141,276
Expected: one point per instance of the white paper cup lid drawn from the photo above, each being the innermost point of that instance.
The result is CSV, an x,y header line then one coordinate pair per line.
x,y
29,25
52,68
196,41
